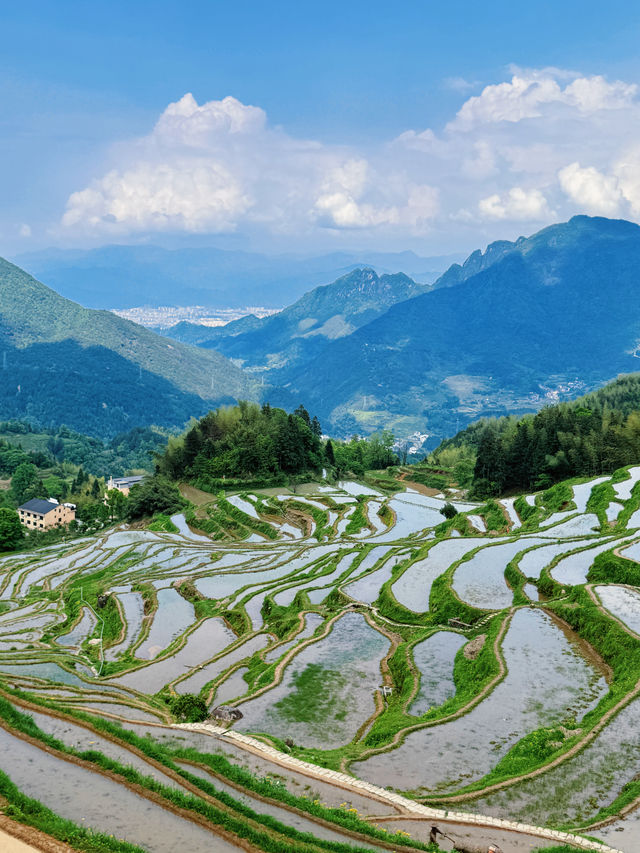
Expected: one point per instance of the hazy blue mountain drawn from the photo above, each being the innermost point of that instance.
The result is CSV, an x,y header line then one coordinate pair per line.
x,y
303,330
128,276
518,325
61,363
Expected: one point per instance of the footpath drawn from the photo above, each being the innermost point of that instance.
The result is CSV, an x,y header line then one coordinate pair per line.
x,y
396,801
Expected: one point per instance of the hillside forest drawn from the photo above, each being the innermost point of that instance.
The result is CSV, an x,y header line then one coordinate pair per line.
x,y
595,434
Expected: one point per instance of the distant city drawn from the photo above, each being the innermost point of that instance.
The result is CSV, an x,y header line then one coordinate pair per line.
x,y
165,316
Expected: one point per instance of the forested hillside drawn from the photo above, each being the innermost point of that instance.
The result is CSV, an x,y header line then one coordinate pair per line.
x,y
595,434
244,442
525,323
97,373
265,445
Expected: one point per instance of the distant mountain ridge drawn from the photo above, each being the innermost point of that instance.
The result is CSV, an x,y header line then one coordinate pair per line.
x,y
302,330
98,373
131,276
540,319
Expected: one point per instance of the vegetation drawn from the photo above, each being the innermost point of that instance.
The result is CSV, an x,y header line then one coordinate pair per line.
x,y
244,442
11,531
154,495
248,446
189,708
595,434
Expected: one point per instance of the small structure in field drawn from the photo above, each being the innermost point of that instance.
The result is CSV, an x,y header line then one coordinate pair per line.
x,y
226,714
458,623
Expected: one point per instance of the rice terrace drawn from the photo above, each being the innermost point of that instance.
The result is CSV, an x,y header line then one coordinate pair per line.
x,y
368,669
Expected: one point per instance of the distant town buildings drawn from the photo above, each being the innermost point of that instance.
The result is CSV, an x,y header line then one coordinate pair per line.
x,y
42,514
123,484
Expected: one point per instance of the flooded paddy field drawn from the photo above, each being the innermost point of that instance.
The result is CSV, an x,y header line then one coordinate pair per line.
x,y
464,750
327,692
298,634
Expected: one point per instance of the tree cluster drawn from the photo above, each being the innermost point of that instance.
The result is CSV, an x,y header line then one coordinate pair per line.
x,y
595,434
246,441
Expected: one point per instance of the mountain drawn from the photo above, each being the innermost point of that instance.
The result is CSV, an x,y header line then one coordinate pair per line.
x,y
93,371
130,276
525,323
302,331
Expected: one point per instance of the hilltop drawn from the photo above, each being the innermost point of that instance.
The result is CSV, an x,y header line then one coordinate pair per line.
x,y
301,331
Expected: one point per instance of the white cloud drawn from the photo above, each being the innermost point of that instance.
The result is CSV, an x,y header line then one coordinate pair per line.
x,y
460,84
595,193
529,93
517,204
187,123
191,195
542,145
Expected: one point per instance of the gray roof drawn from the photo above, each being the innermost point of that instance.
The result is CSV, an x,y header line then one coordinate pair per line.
x,y
124,480
39,505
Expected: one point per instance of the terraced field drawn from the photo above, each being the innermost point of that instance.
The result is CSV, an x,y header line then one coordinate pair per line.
x,y
486,668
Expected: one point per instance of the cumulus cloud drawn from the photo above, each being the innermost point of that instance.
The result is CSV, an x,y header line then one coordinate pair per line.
x,y
541,145
517,204
190,195
528,94
594,192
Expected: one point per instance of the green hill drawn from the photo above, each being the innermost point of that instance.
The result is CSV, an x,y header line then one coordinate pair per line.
x,y
596,434
62,363
526,323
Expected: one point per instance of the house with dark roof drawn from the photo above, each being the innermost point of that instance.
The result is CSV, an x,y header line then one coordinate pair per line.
x,y
44,513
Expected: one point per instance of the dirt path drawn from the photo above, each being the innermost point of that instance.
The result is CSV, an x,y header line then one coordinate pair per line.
x,y
19,838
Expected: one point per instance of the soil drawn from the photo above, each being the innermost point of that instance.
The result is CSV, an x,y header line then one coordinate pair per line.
x,y
474,647
18,838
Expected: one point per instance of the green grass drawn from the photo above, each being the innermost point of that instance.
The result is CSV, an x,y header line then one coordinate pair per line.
x,y
163,523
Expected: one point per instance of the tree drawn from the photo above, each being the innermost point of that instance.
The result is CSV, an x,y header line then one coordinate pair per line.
x,y
189,708
11,532
329,454
116,503
25,483
153,495
449,511
303,414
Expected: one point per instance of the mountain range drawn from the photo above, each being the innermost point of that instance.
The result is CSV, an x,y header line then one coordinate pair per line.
x,y
131,276
302,331
525,323
521,324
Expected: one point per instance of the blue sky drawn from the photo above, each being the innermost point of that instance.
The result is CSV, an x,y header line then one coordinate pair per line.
x,y
327,160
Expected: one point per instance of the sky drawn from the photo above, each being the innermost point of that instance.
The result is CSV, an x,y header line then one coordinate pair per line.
x,y
304,127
